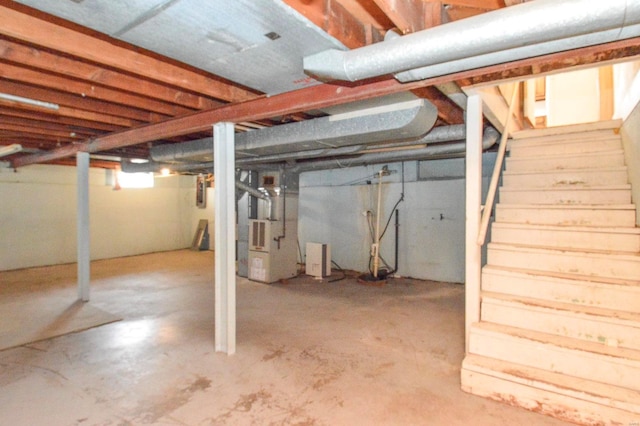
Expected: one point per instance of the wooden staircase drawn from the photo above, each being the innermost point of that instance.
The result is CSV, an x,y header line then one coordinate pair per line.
x,y
560,299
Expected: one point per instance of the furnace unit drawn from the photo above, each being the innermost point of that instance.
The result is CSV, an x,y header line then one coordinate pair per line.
x,y
270,260
273,242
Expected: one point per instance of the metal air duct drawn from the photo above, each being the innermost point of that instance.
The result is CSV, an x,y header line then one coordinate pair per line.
x,y
504,35
444,142
449,150
404,120
155,167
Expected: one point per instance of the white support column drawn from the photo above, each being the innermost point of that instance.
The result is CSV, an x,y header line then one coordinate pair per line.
x,y
84,255
473,202
225,237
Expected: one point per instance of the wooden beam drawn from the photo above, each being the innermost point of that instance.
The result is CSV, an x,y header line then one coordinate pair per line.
x,y
78,102
605,81
44,60
79,132
433,14
456,13
34,141
307,99
59,135
604,53
40,32
407,15
55,118
97,117
448,111
88,90
478,4
337,21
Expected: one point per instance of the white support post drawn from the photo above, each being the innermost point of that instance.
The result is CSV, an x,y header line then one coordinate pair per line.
x,y
473,202
84,255
225,248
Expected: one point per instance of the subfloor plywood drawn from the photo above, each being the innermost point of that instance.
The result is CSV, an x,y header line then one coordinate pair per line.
x,y
309,353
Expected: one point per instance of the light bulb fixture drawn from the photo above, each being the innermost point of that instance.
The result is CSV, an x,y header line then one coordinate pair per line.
x,y
165,172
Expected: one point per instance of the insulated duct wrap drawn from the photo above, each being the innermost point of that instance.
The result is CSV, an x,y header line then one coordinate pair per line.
x,y
446,142
405,120
449,150
504,35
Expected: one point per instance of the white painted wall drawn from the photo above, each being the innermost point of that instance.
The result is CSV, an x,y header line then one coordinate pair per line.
x,y
38,216
573,97
631,141
626,82
332,205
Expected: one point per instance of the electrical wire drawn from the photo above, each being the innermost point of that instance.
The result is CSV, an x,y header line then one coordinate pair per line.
x,y
391,215
300,251
359,180
344,274
396,206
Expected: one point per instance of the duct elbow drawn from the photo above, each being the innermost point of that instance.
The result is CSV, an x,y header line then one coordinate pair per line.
x,y
328,65
489,138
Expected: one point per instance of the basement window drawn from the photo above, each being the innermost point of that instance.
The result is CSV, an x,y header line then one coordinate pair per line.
x,y
135,180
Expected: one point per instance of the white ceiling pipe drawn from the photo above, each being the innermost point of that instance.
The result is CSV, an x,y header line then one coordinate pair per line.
x,y
532,23
10,149
518,53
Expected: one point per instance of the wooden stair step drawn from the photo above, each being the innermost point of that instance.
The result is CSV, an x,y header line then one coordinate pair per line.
x,y
566,178
566,161
613,194
586,238
611,125
605,293
542,140
563,355
567,215
606,326
559,147
584,280
619,265
568,398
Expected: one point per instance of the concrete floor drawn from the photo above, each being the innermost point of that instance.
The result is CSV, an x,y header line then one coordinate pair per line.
x,y
309,353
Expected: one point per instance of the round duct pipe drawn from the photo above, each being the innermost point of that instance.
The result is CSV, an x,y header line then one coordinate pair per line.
x,y
397,121
520,31
439,151
436,148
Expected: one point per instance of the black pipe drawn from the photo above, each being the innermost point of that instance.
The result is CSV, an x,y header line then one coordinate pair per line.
x,y
395,269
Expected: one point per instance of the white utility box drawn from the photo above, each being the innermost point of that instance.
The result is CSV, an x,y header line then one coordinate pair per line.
x,y
318,262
